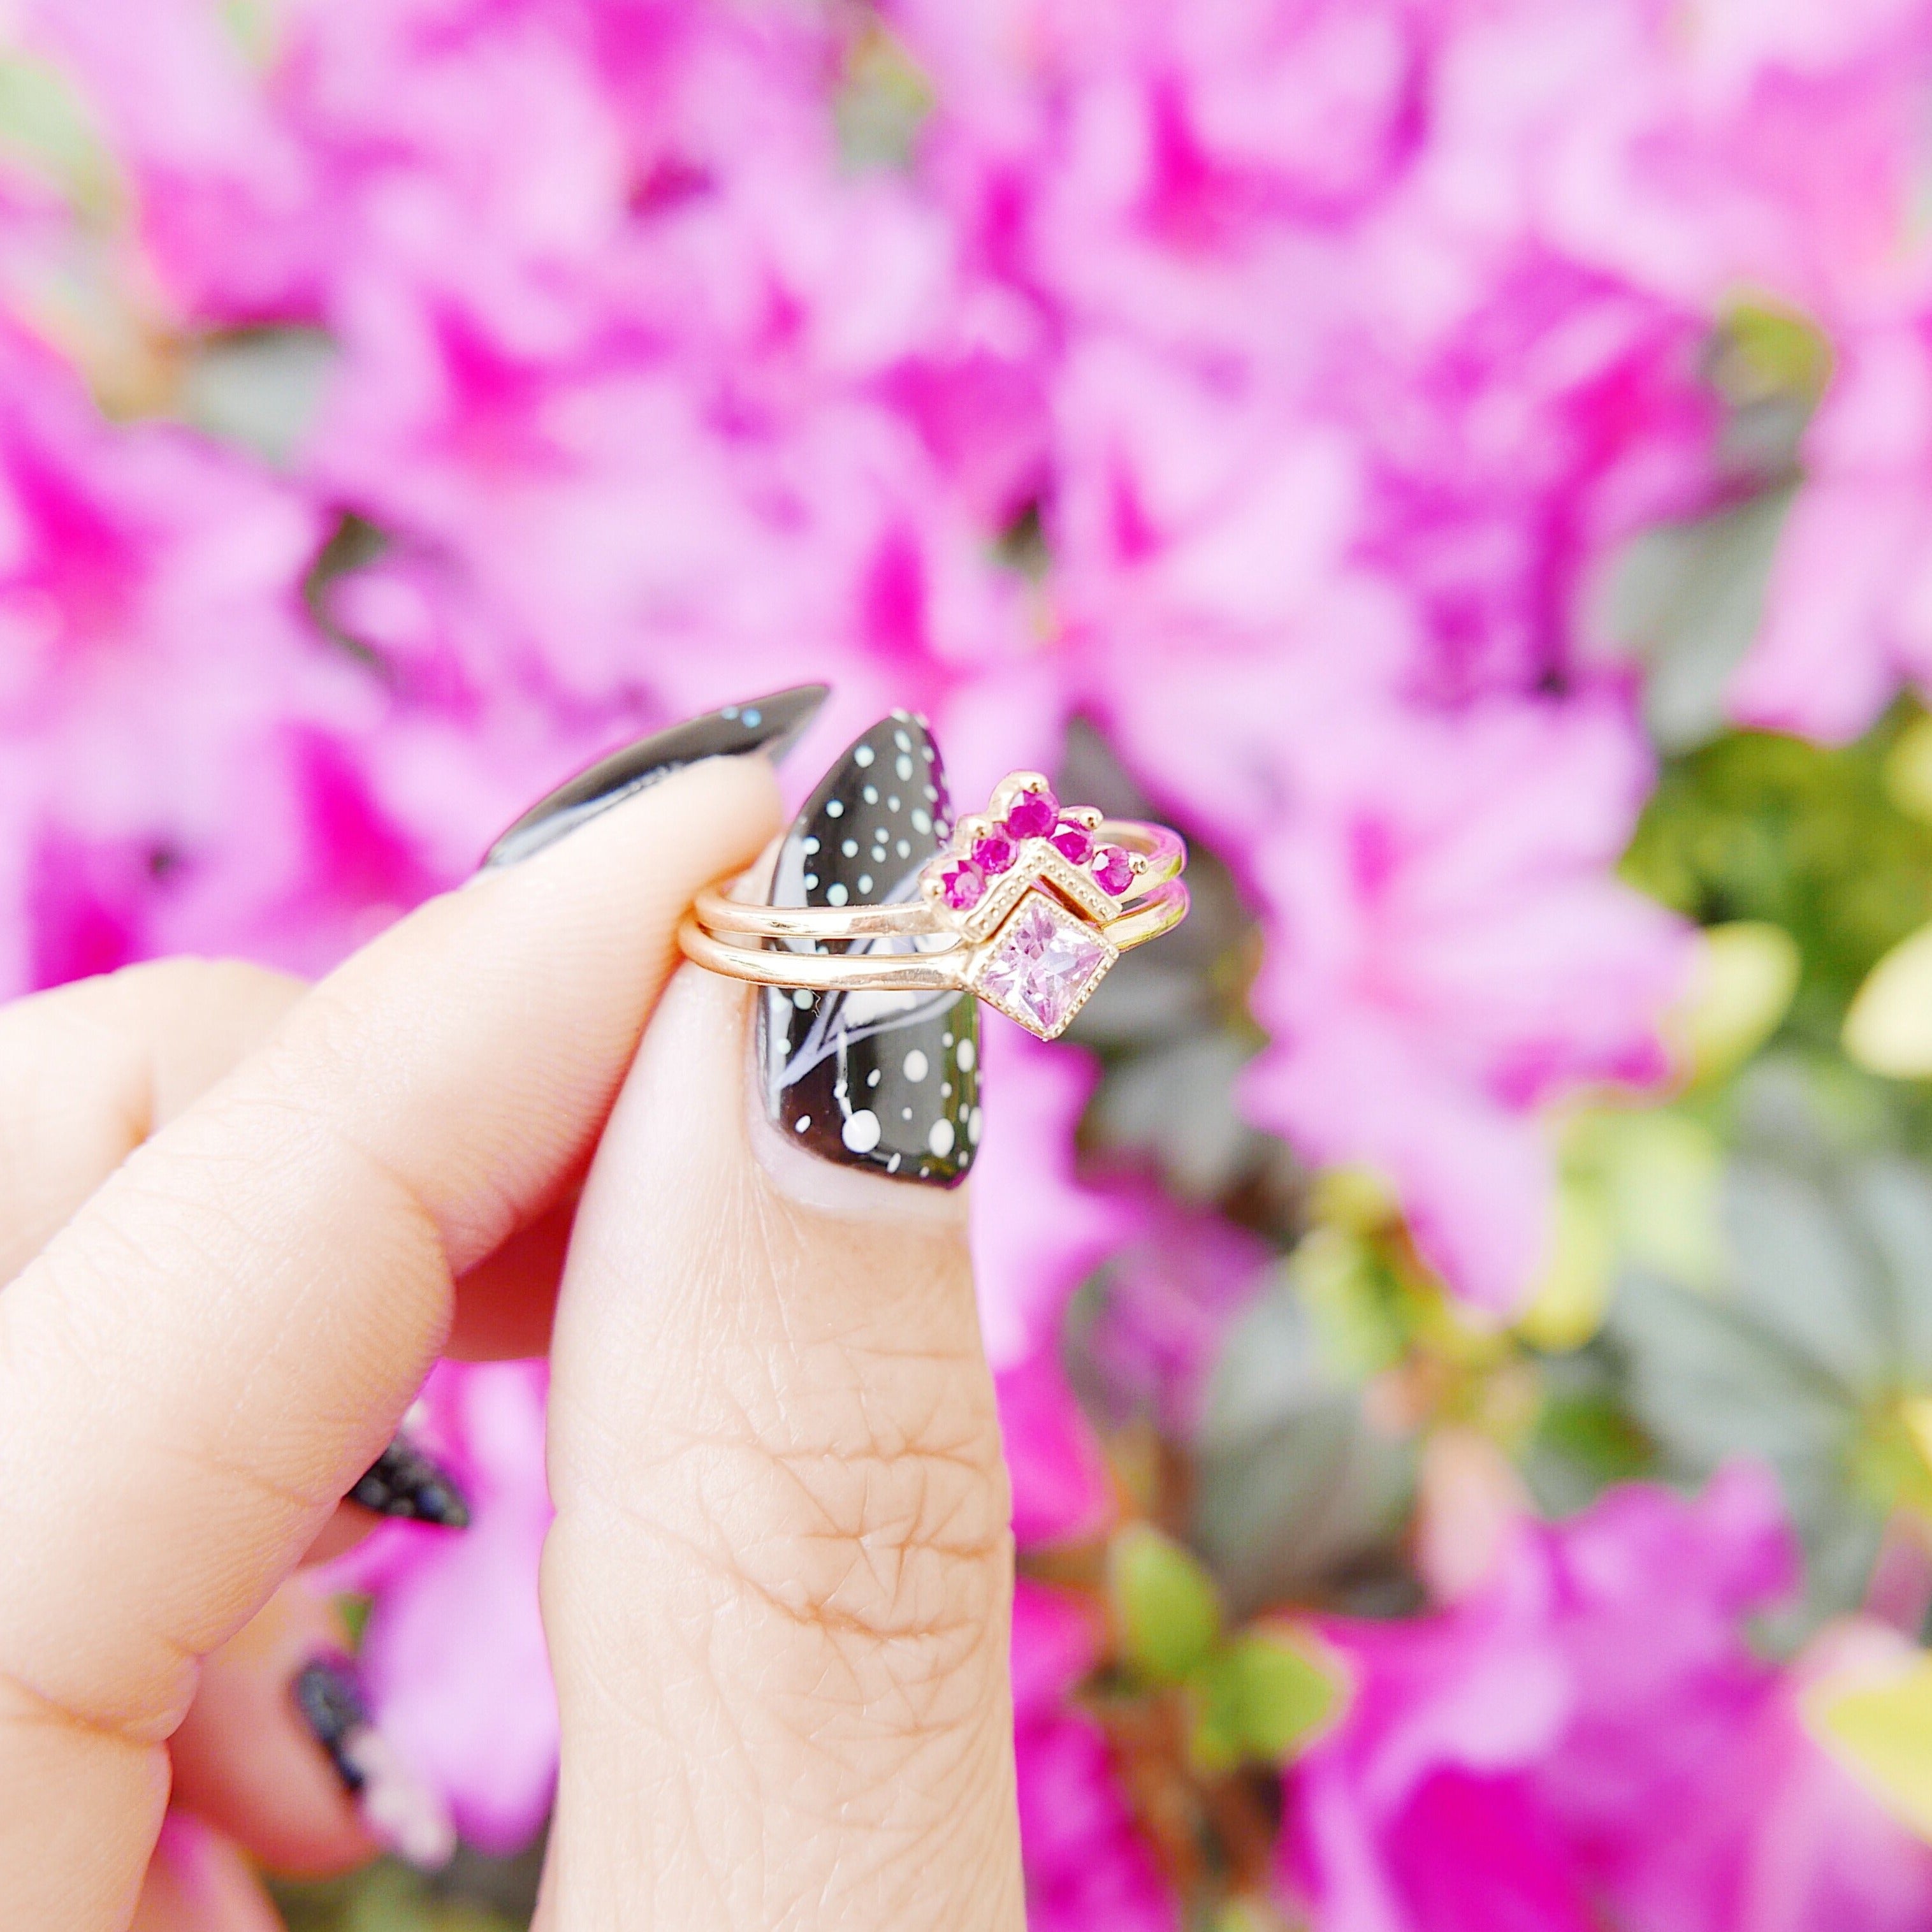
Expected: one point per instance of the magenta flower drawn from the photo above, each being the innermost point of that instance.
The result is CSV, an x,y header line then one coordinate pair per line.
x,y
1770,149
453,1653
1087,1866
1848,618
1036,1233
1514,1760
1063,1490
1171,1296
1452,954
177,768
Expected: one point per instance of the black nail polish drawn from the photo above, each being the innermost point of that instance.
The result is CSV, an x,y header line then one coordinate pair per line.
x,y
328,1692
767,724
401,1808
404,1482
888,1081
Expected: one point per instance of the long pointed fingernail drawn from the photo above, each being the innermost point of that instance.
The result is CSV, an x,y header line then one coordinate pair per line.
x,y
400,1808
405,1482
771,725
888,1081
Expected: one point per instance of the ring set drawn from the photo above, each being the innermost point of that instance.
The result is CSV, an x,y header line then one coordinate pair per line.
x,y
1027,907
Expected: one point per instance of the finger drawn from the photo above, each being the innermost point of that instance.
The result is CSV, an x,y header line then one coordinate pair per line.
x,y
278,1752
199,1882
505,1302
778,1587
88,1071
215,1347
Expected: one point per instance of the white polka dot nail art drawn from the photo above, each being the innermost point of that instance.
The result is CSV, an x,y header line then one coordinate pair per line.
x,y
888,1084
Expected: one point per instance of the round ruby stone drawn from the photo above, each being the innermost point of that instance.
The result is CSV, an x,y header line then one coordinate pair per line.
x,y
963,885
995,853
1031,814
1114,869
1072,840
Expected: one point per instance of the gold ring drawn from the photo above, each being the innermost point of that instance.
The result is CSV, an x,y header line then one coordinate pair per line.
x,y
1027,907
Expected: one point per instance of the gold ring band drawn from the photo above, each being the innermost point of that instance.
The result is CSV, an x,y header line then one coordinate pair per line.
x,y
946,969
718,912
1027,907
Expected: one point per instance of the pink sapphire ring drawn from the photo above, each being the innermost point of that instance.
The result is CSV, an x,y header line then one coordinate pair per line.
x,y
1027,906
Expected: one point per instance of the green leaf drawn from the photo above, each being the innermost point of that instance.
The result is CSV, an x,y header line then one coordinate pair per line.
x,y
1815,1353
1566,1306
1907,773
1746,976
1170,1616
260,388
882,105
1261,1697
1685,600
1663,1173
354,1607
1293,1485
1753,826
1889,1028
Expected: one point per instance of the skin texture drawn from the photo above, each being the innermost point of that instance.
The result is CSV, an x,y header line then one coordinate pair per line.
x,y
778,1594
242,1762
215,1334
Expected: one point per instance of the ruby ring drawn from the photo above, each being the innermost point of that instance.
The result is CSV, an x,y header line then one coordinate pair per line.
x,y
1027,907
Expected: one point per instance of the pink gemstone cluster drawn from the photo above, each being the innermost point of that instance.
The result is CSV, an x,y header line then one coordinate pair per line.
x,y
1033,814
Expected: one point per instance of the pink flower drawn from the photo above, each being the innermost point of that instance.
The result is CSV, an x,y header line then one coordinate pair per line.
x,y
1179,168
1170,1299
177,768
1848,613
1452,954
1592,1733
1036,1233
1507,456
453,1654
1063,1490
1086,1865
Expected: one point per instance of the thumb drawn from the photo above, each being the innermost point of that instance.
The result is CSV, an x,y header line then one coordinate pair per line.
x,y
779,1586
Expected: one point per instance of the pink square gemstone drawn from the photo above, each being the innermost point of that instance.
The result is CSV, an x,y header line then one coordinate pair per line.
x,y
1044,964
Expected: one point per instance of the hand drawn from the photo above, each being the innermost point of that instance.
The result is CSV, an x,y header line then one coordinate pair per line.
x,y
776,1590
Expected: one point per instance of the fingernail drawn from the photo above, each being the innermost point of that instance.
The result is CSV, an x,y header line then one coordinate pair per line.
x,y
770,725
885,1081
404,1482
399,1808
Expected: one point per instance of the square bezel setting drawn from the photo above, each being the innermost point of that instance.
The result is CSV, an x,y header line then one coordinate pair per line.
x,y
1041,965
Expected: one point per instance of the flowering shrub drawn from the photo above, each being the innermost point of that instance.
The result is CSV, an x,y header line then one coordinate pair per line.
x,y
1426,448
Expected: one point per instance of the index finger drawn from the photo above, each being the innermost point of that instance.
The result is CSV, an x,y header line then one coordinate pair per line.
x,y
211,1351
88,1071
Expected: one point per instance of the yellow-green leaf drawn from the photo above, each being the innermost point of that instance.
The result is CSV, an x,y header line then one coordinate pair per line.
x,y
1261,1696
1567,1306
1889,1027
1169,1613
1907,772
1663,1174
1249,1914
1741,986
1882,1733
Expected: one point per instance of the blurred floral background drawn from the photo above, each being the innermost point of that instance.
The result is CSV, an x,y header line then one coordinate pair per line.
x,y
1463,1307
